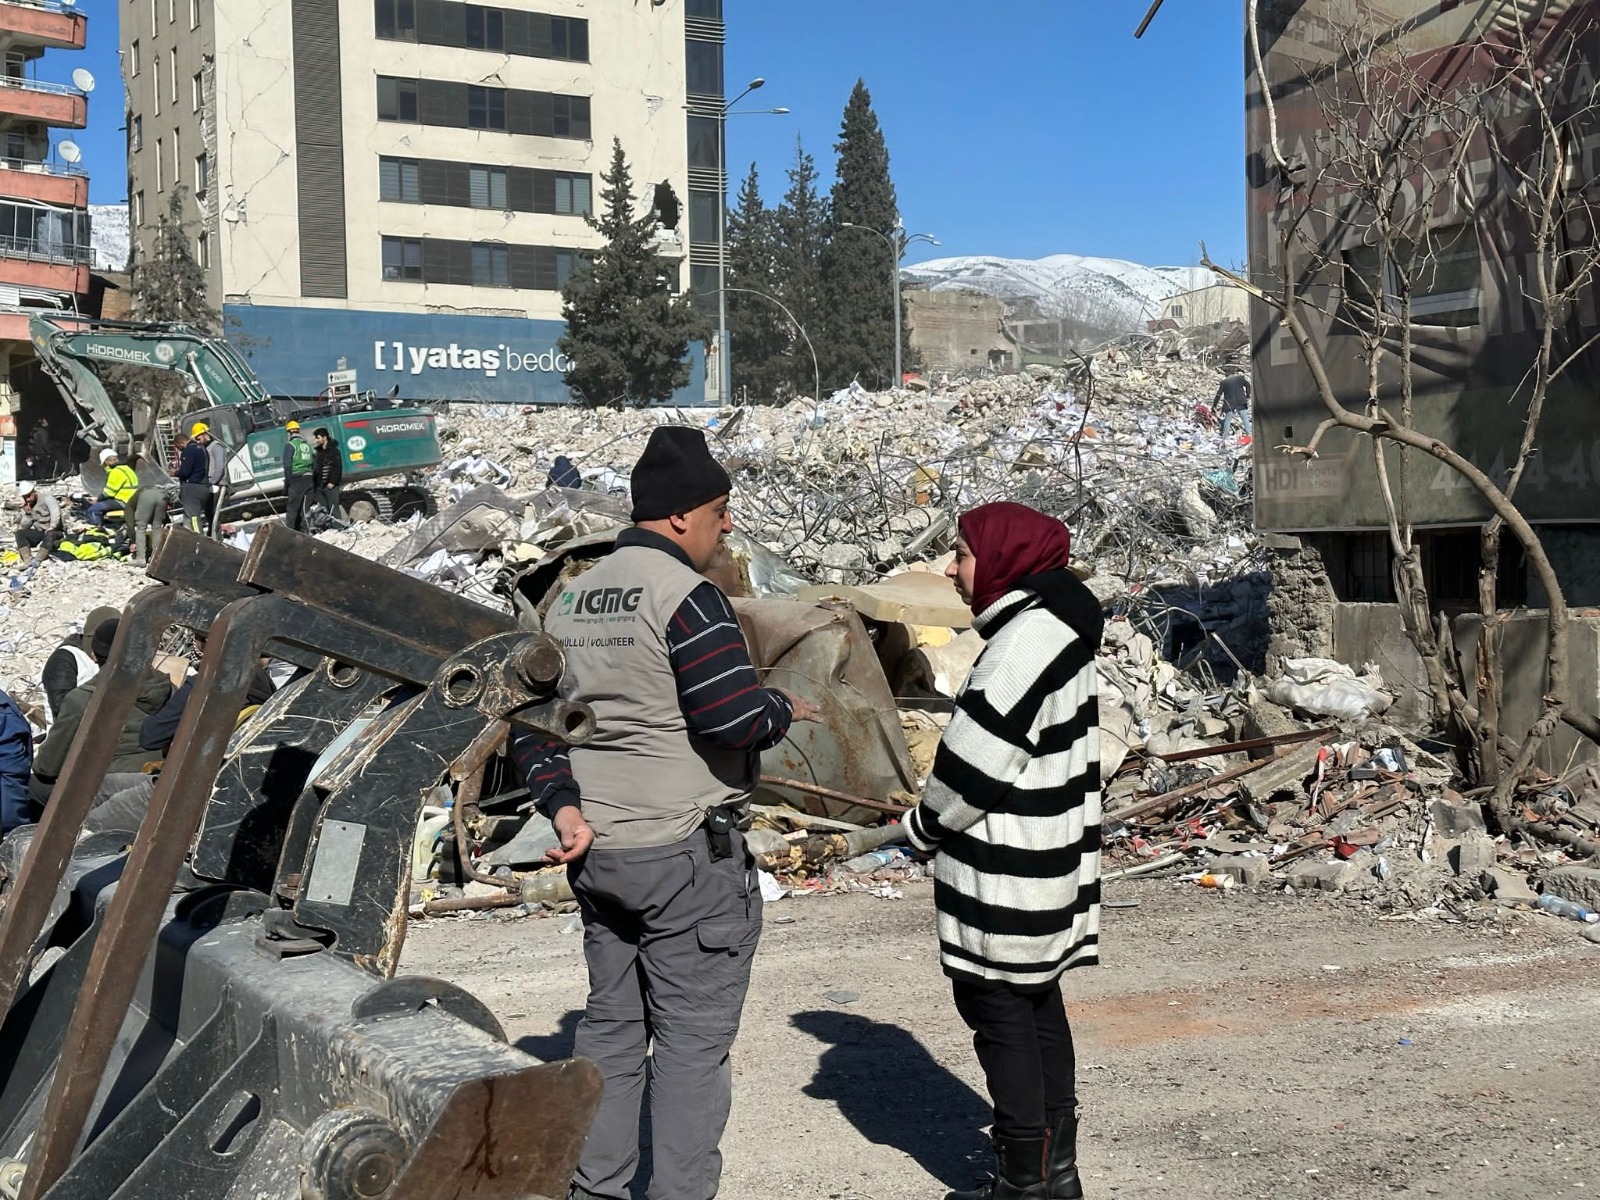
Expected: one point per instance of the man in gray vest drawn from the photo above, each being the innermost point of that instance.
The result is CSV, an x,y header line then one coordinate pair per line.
x,y
648,813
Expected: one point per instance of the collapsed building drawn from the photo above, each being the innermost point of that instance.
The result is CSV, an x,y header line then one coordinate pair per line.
x,y
1457,264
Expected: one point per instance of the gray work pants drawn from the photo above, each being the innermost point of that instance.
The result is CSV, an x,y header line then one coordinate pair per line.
x,y
669,935
120,803
196,498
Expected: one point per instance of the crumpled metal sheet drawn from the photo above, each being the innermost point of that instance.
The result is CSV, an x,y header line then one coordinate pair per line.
x,y
822,652
479,521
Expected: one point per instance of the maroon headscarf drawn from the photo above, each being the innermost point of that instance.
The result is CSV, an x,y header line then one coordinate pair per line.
x,y
1011,542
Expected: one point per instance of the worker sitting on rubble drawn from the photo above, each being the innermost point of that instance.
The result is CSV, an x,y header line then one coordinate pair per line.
x,y
154,691
121,483
39,528
297,478
194,470
124,796
1011,815
72,664
670,902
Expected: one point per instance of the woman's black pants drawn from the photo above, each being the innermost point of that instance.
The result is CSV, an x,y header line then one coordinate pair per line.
x,y
1024,1045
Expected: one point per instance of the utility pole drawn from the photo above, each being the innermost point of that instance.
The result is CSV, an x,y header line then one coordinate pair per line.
x,y
897,240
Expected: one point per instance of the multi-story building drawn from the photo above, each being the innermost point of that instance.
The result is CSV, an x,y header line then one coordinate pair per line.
x,y
403,184
44,218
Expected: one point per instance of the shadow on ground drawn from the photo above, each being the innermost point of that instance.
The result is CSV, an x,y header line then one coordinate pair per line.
x,y
895,1094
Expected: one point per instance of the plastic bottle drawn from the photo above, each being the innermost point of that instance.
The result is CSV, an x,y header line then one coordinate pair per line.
x,y
1566,908
1208,880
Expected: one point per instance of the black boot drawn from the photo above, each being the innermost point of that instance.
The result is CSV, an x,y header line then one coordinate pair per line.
x,y
1019,1172
1061,1165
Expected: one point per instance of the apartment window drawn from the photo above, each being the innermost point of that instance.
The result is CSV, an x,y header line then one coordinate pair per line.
x,y
1446,279
155,18
397,99
486,108
133,58
194,14
398,180
402,258
177,159
202,251
161,166
1177,312
198,88
703,212
711,10
703,143
202,174
16,146
570,116
569,38
396,19
155,75
138,210
566,263
491,266
574,195
705,69
51,233
136,133
486,28
487,187
172,62
172,11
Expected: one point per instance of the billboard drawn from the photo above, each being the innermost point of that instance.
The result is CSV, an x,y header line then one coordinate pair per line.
x,y
430,357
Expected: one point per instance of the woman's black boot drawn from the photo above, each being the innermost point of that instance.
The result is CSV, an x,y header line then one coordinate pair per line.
x,y
1019,1172
1061,1161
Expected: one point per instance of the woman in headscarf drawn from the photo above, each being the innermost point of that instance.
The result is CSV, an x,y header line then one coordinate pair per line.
x,y
1011,815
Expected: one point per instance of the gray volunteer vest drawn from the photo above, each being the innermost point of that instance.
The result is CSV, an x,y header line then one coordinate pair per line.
x,y
644,778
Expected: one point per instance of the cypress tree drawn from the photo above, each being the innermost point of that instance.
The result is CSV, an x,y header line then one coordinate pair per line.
x,y
758,330
857,265
169,285
627,335
802,228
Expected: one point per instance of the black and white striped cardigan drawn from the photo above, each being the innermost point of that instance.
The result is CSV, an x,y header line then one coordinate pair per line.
x,y
1012,808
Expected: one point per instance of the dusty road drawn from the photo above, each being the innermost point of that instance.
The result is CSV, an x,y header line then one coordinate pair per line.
x,y
1218,1053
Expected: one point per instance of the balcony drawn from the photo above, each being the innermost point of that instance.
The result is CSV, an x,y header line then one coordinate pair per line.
x,y
54,104
47,23
48,183
23,266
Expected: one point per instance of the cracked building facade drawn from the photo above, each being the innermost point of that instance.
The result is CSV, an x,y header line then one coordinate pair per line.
x,y
44,201
403,184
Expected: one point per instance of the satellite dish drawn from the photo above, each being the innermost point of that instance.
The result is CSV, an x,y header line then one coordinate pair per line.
x,y
69,151
83,79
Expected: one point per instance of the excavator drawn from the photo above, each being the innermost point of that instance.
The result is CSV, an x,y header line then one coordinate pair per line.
x,y
378,441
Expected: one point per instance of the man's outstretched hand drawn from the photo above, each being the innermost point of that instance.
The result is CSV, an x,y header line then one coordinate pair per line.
x,y
575,834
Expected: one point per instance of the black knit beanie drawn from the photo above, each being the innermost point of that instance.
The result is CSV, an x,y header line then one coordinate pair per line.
x,y
104,634
676,474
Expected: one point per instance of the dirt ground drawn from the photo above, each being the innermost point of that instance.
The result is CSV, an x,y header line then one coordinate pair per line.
x,y
1230,1045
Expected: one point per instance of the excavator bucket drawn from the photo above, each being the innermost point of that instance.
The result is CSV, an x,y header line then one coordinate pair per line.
x,y
212,1012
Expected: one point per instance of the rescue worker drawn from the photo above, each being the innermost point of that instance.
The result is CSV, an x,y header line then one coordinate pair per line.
x,y
39,528
297,479
154,691
72,663
149,516
194,474
648,815
327,471
121,483
1233,399
216,473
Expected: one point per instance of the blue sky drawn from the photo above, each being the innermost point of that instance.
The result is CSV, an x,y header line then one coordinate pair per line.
x,y
1015,127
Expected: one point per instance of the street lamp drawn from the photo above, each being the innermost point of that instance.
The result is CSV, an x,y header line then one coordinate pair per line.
x,y
897,240
725,378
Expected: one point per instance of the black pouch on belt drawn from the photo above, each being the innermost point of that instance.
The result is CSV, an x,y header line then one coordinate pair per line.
x,y
721,821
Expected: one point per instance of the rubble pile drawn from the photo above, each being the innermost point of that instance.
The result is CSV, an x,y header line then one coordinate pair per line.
x,y
852,487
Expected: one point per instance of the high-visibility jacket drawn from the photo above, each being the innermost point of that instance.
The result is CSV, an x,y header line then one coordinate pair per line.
x,y
121,483
300,455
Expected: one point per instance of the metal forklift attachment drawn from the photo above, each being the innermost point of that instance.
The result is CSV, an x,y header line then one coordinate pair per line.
x,y
229,1028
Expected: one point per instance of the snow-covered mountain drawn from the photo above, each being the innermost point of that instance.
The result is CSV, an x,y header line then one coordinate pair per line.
x,y
108,233
1065,285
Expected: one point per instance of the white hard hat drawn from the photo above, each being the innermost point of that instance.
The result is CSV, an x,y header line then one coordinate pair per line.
x,y
25,487
107,454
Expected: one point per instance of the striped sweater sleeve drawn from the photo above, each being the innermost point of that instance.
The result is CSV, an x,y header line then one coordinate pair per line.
x,y
722,700
547,768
